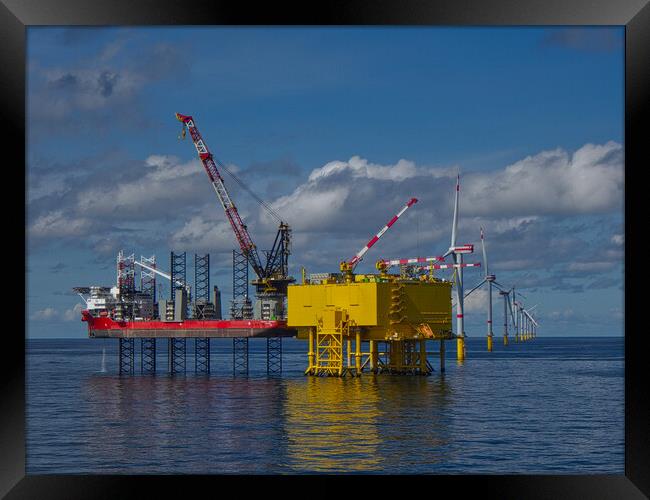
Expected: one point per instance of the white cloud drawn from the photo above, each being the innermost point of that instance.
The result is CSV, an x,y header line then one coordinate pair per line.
x,y
163,186
46,314
202,234
618,239
308,207
74,313
478,300
345,202
551,182
59,224
360,167
590,267
340,205
52,314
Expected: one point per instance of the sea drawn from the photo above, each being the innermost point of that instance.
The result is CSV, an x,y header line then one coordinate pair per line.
x,y
547,406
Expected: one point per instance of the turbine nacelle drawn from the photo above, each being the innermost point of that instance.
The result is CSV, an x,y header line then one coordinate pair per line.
x,y
468,248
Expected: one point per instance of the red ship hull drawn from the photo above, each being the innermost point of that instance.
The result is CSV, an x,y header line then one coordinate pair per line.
x,y
104,327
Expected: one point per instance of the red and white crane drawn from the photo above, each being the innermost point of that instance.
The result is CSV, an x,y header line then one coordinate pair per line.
x,y
274,272
348,266
449,266
387,263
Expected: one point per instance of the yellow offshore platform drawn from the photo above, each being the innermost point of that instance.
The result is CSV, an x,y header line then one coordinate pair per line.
x,y
333,310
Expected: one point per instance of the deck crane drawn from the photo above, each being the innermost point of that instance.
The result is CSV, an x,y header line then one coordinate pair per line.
x,y
385,264
348,266
272,277
177,282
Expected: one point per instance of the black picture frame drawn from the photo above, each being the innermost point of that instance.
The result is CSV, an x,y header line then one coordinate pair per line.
x,y
16,15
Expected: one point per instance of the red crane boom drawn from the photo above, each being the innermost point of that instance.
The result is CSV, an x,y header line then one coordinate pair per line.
x,y
351,264
241,232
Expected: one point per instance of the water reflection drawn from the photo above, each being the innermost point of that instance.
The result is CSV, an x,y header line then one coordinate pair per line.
x,y
82,421
185,424
379,424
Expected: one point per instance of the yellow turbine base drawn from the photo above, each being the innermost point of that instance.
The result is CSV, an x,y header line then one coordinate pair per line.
x,y
460,348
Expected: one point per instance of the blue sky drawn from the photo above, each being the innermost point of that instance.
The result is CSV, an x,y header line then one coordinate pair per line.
x,y
336,128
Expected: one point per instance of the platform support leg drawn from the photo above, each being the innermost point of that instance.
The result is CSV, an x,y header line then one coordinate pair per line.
x,y
423,357
126,353
311,354
373,356
148,355
442,356
202,355
240,356
357,354
176,355
273,355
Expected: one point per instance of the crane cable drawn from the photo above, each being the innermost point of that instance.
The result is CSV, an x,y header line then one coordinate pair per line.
x,y
241,183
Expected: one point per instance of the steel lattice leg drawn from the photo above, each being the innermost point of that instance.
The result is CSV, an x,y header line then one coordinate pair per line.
x,y
273,355
127,355
202,355
176,355
148,356
240,356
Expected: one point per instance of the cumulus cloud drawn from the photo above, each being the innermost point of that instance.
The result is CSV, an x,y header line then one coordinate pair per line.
x,y
361,168
85,96
203,234
59,225
74,313
336,208
163,186
52,314
49,313
550,183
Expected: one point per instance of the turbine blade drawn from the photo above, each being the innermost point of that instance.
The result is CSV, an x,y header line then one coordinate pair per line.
x,y
485,261
512,315
467,294
454,225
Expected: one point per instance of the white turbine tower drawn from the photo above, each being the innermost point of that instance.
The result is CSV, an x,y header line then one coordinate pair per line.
x,y
507,307
517,313
490,280
457,252
534,321
531,324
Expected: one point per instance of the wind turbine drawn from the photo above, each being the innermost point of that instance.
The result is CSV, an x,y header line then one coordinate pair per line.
x,y
507,306
457,253
535,324
517,313
489,279
530,323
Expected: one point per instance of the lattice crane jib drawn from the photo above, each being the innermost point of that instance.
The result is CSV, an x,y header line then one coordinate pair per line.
x,y
273,274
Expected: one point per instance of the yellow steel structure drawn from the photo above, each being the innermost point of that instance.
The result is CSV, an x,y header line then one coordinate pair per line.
x,y
347,310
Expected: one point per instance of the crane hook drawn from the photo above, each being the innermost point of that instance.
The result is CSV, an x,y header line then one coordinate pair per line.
x,y
182,136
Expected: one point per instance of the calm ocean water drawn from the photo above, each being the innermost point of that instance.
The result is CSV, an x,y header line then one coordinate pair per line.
x,y
554,405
